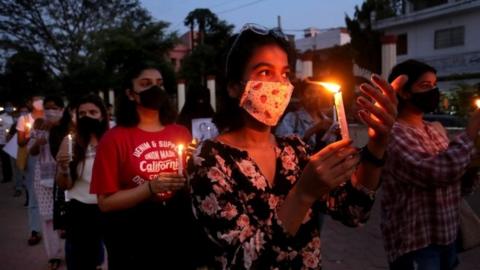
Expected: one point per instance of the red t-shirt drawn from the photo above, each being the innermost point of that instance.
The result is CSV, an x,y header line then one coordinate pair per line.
x,y
127,157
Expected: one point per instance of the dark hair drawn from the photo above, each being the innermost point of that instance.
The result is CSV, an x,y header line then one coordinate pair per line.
x,y
81,143
55,99
193,108
126,111
230,115
414,69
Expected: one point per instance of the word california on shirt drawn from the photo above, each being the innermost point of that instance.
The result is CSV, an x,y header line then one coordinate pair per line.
x,y
128,157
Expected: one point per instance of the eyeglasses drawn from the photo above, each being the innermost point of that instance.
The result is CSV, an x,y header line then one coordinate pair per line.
x,y
257,29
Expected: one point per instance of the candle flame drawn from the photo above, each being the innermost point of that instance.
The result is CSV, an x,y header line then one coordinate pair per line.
x,y
180,149
14,109
7,130
332,87
69,136
28,125
1,108
477,103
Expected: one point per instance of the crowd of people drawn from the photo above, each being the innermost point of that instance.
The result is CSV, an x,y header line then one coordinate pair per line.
x,y
252,197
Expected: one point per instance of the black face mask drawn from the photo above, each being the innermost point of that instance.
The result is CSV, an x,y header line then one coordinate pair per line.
x,y
426,101
87,126
152,98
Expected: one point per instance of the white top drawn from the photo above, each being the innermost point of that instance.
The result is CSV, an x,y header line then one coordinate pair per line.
x,y
23,120
81,186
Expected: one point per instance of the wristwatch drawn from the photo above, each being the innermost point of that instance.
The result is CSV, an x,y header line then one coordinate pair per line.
x,y
366,155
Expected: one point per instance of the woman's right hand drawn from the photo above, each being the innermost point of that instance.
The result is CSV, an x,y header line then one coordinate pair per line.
x,y
168,182
327,169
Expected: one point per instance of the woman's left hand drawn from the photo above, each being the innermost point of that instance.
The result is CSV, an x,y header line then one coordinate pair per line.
x,y
380,113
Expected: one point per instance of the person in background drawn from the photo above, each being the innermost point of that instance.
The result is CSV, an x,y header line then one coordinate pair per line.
x,y
57,133
74,172
138,180
111,115
6,122
197,105
424,177
18,175
24,128
44,176
258,196
311,120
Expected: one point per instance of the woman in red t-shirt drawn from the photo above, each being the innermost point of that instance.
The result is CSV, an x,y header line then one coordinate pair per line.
x,y
137,179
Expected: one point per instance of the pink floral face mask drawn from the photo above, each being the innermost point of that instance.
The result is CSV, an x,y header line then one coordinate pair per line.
x,y
266,101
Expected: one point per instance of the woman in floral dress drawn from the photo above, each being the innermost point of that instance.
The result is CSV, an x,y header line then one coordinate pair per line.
x,y
258,196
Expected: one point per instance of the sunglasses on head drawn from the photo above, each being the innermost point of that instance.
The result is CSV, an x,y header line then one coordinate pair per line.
x,y
257,29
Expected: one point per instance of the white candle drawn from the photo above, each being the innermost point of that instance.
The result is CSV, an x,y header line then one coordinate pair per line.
x,y
339,108
70,146
180,158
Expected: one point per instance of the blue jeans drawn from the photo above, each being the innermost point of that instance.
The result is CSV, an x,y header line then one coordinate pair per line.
x,y
33,211
433,257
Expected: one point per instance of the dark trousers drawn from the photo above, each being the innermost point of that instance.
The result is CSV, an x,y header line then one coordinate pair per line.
x,y
433,257
6,165
151,236
84,237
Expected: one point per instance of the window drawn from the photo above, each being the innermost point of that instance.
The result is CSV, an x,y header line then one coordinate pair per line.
x,y
402,44
450,37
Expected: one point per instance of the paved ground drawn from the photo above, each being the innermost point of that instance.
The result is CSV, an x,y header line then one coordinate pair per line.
x,y
346,248
343,248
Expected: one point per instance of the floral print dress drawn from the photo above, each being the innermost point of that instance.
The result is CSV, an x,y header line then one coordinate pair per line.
x,y
237,208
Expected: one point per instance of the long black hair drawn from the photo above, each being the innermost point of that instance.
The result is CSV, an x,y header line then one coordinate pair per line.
x,y
126,112
239,51
82,140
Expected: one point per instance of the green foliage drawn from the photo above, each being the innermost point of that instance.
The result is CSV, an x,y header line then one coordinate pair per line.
x,y
60,30
24,76
205,58
366,46
84,44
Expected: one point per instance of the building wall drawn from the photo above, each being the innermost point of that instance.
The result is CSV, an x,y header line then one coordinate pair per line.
x,y
459,59
325,39
420,27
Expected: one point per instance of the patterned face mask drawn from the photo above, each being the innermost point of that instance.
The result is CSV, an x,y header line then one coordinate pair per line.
x,y
266,101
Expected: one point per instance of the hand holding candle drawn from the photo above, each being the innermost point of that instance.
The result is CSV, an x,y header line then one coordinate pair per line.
x,y
339,108
70,146
180,149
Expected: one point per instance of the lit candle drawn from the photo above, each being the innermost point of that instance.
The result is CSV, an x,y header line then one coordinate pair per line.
x,y
28,126
339,108
477,103
1,108
70,146
7,130
180,158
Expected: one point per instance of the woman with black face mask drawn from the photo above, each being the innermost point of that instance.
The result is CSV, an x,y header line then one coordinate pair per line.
x,y
138,179
424,177
84,247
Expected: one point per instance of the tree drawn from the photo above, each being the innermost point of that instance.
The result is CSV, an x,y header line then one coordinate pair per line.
x,y
206,58
24,76
61,30
113,51
366,45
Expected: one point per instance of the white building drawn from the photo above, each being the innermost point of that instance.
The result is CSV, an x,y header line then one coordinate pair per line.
x,y
443,33
315,40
